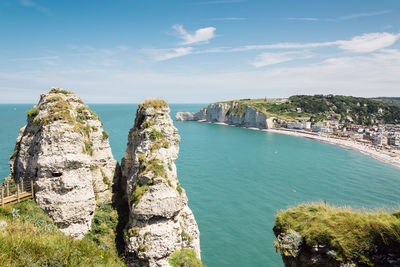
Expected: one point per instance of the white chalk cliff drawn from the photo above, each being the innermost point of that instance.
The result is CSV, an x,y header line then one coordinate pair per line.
x,y
65,151
160,221
229,113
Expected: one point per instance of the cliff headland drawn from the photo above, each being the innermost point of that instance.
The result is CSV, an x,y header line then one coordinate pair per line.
x,y
369,126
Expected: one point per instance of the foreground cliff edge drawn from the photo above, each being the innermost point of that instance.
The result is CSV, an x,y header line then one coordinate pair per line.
x,y
139,219
324,235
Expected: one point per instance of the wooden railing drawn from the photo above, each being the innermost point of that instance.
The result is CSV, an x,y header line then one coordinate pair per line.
x,y
12,192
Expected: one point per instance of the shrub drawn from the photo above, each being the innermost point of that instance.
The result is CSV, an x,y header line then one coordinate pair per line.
x,y
185,258
36,121
106,180
14,154
88,149
138,193
147,124
143,248
186,236
142,160
134,231
179,188
154,135
104,226
165,144
33,112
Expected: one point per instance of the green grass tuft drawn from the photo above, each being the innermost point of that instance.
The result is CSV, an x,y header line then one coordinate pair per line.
x,y
105,135
154,135
179,188
33,112
147,124
153,103
88,148
14,154
138,193
186,236
185,258
106,180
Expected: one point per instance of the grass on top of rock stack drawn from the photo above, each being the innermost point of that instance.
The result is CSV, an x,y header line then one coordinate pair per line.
x,y
154,103
354,235
29,238
185,258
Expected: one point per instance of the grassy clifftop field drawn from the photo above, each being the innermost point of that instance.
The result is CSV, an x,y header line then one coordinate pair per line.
x,y
30,238
316,108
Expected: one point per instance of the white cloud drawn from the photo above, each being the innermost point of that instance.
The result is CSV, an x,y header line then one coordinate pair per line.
x,y
343,18
32,4
361,44
362,75
200,36
164,54
361,15
266,59
369,42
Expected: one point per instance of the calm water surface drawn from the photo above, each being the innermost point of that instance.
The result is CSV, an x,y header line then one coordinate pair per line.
x,y
236,179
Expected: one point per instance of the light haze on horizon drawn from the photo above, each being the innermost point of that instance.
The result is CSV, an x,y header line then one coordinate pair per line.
x,y
198,51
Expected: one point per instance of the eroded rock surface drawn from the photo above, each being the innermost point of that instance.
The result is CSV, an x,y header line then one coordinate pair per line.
x,y
229,113
160,220
65,151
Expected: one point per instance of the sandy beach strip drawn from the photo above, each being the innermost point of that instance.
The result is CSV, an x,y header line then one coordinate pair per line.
x,y
362,148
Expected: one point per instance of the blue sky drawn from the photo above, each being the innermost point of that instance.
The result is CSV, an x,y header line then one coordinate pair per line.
x,y
124,51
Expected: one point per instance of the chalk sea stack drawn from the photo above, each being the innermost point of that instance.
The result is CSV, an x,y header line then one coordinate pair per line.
x,y
65,151
160,221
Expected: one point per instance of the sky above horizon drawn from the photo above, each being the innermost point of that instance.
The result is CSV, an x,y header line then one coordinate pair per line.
x,y
125,51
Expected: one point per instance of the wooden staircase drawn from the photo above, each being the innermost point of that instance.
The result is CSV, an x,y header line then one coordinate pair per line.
x,y
12,192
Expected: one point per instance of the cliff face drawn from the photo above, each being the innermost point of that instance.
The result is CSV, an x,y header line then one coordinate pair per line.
x,y
160,221
65,151
230,113
188,116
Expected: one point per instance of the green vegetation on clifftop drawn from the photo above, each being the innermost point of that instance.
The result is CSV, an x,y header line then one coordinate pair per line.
x,y
355,236
358,110
28,237
185,258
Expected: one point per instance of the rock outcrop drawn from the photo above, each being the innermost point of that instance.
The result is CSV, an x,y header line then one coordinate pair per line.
x,y
65,151
231,113
189,116
160,220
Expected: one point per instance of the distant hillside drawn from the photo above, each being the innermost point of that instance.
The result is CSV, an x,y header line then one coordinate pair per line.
x,y
346,109
389,100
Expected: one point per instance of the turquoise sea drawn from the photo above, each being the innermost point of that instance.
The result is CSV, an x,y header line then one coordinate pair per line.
x,y
236,179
